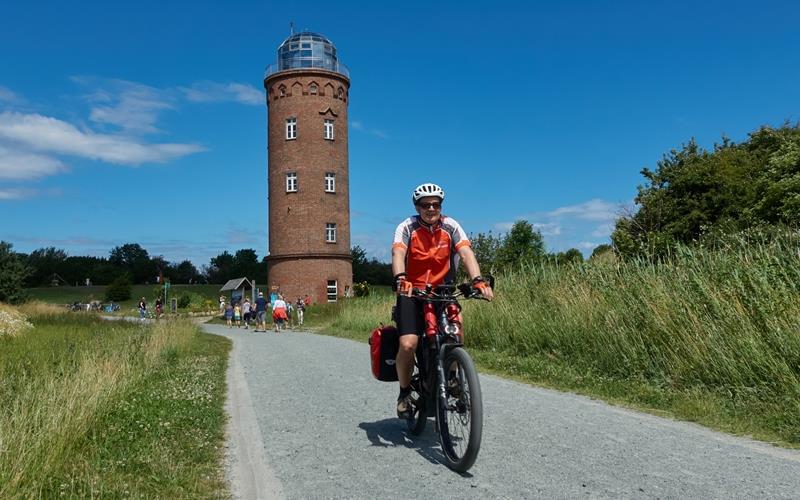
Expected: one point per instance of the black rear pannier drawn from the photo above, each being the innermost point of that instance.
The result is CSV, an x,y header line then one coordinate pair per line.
x,y
383,346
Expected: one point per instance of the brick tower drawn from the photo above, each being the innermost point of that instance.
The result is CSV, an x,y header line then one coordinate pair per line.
x,y
309,197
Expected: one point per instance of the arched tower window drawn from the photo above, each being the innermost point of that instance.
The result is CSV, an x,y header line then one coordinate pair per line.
x,y
312,88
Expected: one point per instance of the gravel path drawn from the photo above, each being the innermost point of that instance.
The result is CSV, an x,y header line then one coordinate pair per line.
x,y
328,431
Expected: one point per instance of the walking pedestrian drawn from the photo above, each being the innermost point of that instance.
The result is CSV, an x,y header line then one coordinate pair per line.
x,y
246,313
237,315
261,313
142,308
229,315
279,313
300,306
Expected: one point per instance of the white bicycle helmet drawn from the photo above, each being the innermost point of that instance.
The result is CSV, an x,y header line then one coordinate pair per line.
x,y
427,189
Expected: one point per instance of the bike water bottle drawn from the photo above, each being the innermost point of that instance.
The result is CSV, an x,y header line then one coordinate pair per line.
x,y
430,320
454,321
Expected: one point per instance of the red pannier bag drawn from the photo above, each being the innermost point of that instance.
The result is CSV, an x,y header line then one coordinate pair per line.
x,y
383,345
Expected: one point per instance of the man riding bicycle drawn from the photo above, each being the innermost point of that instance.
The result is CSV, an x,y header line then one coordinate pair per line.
x,y
426,250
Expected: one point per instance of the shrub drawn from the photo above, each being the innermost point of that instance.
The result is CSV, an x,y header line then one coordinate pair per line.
x,y
184,301
119,289
361,289
13,272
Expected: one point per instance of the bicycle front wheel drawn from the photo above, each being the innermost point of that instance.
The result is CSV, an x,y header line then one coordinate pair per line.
x,y
419,415
460,414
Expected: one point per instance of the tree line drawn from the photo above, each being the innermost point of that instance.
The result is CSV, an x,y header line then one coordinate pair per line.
x,y
53,266
697,195
693,195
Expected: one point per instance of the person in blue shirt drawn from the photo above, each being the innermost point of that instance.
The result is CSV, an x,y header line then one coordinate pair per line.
x,y
261,313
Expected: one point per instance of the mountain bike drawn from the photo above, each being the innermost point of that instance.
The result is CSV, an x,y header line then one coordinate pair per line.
x,y
445,382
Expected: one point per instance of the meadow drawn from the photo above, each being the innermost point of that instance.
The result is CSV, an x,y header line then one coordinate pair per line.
x,y
93,408
86,294
709,335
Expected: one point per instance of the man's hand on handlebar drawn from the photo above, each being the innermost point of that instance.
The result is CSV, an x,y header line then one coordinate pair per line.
x,y
402,286
484,287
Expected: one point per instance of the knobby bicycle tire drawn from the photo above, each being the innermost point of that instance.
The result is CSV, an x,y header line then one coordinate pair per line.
x,y
462,410
419,417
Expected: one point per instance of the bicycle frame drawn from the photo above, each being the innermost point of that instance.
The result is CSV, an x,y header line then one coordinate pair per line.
x,y
439,341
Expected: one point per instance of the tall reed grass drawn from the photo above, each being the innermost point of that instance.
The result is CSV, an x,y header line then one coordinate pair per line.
x,y
58,379
723,322
725,318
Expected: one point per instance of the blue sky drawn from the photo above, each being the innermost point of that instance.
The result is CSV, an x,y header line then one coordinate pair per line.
x,y
145,121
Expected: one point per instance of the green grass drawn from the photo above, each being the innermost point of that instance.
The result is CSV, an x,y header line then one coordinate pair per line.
x,y
713,336
90,408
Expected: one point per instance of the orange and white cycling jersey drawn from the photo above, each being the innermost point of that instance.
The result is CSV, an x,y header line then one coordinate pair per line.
x,y
431,251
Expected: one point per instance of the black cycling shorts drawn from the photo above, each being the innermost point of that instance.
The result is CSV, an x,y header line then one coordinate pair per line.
x,y
408,316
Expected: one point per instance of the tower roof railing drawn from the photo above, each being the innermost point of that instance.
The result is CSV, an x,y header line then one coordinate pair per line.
x,y
291,64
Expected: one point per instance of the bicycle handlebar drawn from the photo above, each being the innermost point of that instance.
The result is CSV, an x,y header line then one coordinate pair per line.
x,y
446,292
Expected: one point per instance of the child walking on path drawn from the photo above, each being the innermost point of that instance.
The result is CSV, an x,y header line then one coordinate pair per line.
x,y
237,315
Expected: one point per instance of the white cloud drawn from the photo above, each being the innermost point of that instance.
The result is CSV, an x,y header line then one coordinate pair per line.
x,y
135,110
207,91
16,193
595,209
357,125
132,106
19,165
239,235
547,228
603,230
587,245
7,95
376,245
51,135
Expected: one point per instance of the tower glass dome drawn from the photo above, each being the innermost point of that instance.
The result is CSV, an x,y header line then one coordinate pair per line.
x,y
307,50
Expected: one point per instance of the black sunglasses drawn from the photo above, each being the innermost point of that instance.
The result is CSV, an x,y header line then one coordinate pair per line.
x,y
434,205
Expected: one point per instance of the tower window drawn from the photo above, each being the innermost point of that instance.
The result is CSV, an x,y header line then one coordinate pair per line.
x,y
291,128
330,182
330,232
313,88
329,129
333,290
291,182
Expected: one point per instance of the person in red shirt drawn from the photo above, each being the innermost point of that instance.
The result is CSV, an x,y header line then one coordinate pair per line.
x,y
427,248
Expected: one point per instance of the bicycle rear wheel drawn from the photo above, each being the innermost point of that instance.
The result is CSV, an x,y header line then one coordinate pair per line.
x,y
460,415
